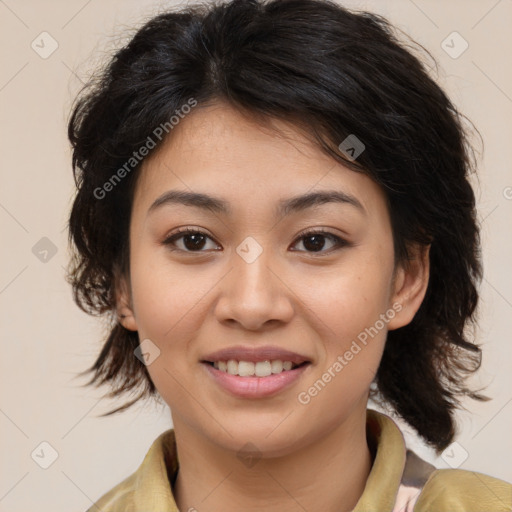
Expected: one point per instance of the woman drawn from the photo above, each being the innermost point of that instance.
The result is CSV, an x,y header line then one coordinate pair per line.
x,y
273,205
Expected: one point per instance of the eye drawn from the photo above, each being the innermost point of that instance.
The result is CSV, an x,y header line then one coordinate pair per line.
x,y
314,241
194,240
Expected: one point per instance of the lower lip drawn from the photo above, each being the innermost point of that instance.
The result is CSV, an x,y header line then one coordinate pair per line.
x,y
255,387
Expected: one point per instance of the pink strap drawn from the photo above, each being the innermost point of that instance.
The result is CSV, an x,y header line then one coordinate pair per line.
x,y
416,473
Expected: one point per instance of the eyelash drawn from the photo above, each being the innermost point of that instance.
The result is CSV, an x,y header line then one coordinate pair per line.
x,y
340,242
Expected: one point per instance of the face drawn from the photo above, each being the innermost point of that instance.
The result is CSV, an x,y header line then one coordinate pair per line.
x,y
288,262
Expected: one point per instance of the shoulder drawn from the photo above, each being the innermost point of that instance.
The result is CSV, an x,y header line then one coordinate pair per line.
x,y
149,487
119,499
458,490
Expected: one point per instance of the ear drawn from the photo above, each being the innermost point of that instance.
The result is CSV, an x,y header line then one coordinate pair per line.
x,y
124,305
410,285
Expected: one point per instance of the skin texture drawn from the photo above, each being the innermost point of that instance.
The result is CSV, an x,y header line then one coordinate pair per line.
x,y
190,304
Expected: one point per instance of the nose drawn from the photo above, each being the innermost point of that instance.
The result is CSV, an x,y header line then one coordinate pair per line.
x,y
254,295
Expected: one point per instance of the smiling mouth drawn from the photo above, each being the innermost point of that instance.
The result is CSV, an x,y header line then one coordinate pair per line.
x,y
255,369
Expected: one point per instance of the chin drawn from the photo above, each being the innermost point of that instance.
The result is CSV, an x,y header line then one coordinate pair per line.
x,y
267,439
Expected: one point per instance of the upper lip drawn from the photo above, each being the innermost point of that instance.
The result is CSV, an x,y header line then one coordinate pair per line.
x,y
255,354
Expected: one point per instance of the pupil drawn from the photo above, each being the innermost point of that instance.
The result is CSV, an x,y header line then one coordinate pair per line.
x,y
317,244
195,244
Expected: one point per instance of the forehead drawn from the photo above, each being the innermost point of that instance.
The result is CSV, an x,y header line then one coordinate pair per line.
x,y
220,151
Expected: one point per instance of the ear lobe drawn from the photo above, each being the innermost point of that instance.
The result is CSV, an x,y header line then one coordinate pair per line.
x,y
410,286
124,306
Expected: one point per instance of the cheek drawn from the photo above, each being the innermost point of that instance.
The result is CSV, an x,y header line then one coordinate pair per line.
x,y
352,315
354,336
167,298
350,299
169,309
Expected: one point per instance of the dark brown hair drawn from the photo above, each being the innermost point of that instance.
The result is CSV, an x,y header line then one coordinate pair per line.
x,y
337,73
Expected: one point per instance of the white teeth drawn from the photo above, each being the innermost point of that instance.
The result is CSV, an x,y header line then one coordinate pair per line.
x,y
245,369
232,367
250,369
262,369
277,366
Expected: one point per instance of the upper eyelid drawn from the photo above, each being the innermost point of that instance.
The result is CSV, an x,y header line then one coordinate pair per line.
x,y
306,232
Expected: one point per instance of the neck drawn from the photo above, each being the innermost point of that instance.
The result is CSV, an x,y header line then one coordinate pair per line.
x,y
328,474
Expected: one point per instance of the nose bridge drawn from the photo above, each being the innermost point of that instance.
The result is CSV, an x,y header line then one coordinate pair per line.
x,y
253,293
253,278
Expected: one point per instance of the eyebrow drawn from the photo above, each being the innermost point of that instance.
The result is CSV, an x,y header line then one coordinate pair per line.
x,y
285,207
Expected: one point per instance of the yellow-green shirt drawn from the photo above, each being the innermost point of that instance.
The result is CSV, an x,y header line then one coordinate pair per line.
x,y
399,481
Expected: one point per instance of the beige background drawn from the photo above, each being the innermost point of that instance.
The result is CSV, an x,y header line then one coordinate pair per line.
x,y
46,340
